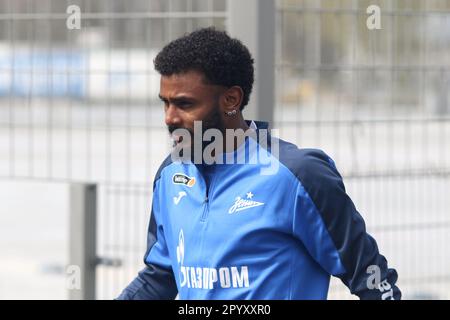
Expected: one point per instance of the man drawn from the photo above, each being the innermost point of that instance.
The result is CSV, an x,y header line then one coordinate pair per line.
x,y
230,231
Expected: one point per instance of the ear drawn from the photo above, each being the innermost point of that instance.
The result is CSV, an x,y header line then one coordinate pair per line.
x,y
231,99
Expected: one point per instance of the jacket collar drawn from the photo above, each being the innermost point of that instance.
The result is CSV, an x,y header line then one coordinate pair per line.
x,y
259,124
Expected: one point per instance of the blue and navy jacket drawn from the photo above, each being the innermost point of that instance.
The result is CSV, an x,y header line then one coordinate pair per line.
x,y
228,232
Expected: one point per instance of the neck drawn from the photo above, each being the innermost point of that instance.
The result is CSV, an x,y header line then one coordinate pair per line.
x,y
235,123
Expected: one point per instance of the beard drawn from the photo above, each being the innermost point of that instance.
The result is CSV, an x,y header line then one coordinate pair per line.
x,y
212,121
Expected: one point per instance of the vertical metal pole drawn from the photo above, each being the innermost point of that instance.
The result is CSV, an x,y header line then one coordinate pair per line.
x,y
253,22
442,104
83,255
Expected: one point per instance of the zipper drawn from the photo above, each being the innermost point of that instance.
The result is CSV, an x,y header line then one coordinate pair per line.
x,y
206,201
205,209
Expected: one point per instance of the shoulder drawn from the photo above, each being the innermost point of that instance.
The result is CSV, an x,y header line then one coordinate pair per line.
x,y
167,162
313,167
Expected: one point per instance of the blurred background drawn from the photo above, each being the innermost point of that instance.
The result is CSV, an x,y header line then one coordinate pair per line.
x,y
82,132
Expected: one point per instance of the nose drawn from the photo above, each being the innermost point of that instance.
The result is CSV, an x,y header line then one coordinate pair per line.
x,y
172,117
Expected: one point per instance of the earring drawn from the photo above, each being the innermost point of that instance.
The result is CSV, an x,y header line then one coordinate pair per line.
x,y
231,113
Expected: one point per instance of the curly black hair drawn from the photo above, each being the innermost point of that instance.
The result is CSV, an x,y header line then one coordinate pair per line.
x,y
223,60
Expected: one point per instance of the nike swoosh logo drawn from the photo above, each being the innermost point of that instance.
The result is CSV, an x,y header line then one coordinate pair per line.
x,y
177,200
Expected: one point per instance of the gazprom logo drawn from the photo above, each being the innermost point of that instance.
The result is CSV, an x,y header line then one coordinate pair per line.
x,y
180,248
209,278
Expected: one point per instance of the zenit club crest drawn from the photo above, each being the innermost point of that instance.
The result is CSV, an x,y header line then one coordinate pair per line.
x,y
179,178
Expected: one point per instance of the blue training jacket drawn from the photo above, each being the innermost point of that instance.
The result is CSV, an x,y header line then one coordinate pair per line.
x,y
229,232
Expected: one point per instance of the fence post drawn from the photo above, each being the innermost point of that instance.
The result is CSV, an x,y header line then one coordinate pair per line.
x,y
83,255
253,22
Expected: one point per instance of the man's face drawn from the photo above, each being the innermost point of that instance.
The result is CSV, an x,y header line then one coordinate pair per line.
x,y
187,98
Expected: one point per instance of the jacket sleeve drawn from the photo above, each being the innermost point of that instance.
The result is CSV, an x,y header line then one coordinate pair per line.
x,y
334,233
156,281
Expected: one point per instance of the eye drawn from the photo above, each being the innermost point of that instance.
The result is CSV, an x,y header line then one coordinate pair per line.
x,y
184,104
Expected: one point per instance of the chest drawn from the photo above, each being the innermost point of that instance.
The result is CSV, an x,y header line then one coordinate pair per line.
x,y
226,204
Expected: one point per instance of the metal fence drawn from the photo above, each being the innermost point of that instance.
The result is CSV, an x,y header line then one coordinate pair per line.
x,y
80,106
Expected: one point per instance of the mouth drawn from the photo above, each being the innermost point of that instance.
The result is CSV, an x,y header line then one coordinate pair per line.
x,y
180,137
